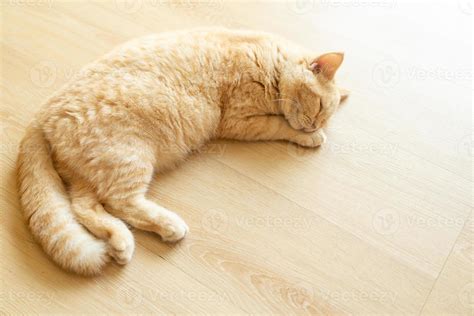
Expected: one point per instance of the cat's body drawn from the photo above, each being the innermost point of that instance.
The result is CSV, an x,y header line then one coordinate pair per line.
x,y
142,108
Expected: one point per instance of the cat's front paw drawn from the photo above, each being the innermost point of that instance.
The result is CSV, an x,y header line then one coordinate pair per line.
x,y
311,139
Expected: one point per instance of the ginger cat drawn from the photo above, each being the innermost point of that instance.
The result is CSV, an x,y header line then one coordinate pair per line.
x,y
87,159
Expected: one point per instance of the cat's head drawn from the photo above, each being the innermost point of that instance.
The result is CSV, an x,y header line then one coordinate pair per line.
x,y
309,95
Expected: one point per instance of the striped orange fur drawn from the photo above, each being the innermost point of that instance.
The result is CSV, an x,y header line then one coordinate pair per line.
x,y
86,161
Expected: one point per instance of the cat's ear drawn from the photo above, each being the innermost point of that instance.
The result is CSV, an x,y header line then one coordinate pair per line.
x,y
344,94
327,64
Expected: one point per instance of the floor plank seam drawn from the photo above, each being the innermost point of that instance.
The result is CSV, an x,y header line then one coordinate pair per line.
x,y
370,242
192,277
466,221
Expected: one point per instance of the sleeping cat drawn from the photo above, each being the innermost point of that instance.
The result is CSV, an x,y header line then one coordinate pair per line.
x,y
86,161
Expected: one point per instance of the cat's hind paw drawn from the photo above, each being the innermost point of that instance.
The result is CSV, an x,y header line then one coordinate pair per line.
x,y
172,227
121,246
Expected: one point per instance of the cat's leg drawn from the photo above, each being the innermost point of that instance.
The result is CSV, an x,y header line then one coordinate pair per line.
x,y
127,201
91,214
120,174
144,214
269,127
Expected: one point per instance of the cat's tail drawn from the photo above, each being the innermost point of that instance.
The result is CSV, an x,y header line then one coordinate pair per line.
x,y
47,210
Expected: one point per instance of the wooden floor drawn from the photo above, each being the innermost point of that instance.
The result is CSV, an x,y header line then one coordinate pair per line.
x,y
379,220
